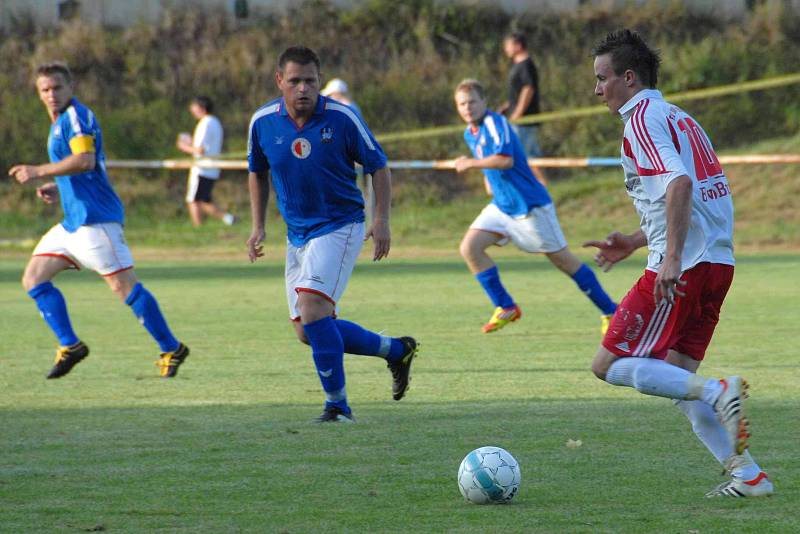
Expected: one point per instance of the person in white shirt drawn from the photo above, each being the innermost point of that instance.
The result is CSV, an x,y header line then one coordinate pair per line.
x,y
661,330
205,142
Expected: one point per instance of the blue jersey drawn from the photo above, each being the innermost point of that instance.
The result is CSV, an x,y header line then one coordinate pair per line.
x,y
313,167
86,198
516,190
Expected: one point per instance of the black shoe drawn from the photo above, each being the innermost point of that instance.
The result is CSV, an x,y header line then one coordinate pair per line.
x,y
67,358
170,361
334,414
401,369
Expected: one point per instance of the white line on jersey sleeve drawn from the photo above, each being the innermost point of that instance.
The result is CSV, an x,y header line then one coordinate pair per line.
x,y
268,110
73,119
349,112
492,127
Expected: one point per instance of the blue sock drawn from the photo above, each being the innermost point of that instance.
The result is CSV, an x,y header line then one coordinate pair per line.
x,y
145,307
490,280
53,308
359,340
328,351
589,284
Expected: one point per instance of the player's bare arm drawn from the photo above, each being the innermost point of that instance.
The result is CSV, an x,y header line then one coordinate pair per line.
x,y
74,164
524,100
258,184
380,232
616,247
679,213
496,161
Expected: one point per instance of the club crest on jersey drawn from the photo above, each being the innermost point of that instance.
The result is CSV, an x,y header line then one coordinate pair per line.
x,y
327,134
301,148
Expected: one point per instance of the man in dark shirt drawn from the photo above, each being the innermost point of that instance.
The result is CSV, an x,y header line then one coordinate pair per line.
x,y
523,95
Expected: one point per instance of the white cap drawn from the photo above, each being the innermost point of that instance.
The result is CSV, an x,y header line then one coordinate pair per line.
x,y
336,85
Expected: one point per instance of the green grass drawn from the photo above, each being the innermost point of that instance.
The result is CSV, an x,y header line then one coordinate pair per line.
x,y
227,446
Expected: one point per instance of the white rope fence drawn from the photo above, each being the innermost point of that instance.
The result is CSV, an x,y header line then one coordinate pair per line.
x,y
238,165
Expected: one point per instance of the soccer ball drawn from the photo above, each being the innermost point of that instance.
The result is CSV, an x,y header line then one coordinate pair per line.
x,y
489,475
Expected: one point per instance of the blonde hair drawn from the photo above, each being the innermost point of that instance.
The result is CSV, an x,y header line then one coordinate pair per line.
x,y
471,85
51,69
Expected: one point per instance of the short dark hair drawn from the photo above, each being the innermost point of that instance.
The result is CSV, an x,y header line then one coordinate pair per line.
x,y
204,102
471,85
518,38
301,55
51,69
629,51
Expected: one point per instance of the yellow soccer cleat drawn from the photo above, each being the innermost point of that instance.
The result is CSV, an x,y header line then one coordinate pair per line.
x,y
605,322
170,361
501,317
67,358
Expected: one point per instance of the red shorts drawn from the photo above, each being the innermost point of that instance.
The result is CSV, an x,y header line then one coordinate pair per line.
x,y
640,328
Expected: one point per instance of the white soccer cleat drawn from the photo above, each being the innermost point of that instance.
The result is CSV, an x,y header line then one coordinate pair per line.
x,y
736,487
730,411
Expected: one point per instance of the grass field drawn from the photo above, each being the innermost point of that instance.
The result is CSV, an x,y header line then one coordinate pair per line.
x,y
227,446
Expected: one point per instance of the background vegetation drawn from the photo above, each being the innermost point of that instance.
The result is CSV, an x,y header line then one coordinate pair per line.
x,y
401,60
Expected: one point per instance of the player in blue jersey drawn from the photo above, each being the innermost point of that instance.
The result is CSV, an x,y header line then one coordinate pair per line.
x,y
91,233
521,210
310,144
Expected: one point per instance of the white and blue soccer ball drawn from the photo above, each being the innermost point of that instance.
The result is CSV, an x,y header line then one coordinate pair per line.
x,y
489,475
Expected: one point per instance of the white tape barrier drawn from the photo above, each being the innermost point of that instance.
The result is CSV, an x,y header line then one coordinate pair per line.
x,y
181,164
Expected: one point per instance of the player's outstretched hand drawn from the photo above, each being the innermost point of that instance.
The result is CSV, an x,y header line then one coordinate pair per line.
x,y
255,249
382,237
48,193
615,248
23,173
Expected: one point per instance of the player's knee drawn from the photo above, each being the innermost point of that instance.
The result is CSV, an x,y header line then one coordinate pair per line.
x,y
28,281
464,250
599,368
469,251
120,287
301,336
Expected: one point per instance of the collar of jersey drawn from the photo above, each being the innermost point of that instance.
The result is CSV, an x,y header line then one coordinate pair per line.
x,y
630,105
479,126
320,107
72,102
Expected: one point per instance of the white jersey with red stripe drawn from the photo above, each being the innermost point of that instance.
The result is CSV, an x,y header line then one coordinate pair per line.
x,y
661,143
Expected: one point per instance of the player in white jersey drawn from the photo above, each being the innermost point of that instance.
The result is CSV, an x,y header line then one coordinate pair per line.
x,y
661,329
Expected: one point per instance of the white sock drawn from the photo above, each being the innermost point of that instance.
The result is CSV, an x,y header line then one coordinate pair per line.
x,y
651,377
707,428
710,431
707,390
749,469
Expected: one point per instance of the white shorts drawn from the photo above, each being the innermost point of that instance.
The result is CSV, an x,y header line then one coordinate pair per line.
x,y
100,247
323,265
538,231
